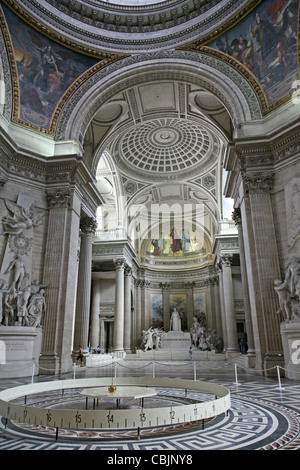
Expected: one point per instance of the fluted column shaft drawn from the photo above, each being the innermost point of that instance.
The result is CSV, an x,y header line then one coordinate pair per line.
x,y
249,329
83,299
95,312
166,304
127,310
231,326
138,315
119,308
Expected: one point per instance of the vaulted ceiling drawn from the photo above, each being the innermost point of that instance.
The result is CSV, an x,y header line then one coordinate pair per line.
x,y
155,90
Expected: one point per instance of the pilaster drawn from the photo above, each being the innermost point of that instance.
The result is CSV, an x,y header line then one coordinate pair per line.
x,y
60,274
258,188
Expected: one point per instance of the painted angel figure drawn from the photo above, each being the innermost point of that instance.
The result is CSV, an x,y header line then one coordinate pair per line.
x,y
21,220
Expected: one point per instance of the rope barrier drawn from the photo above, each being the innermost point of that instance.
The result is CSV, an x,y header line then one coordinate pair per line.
x,y
131,368
170,363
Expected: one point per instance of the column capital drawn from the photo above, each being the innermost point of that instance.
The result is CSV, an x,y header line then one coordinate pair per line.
x,y
237,217
59,198
258,183
127,271
119,264
226,260
165,286
189,285
88,225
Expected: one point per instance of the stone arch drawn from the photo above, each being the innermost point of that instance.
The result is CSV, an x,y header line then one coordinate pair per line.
x,y
211,73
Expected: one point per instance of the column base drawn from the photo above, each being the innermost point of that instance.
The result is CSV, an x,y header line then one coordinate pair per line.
x,y
290,335
49,363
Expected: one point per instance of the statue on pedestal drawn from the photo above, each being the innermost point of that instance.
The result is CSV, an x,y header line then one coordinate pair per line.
x,y
175,321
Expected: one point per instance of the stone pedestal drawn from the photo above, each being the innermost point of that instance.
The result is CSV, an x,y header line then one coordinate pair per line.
x,y
175,341
22,350
290,334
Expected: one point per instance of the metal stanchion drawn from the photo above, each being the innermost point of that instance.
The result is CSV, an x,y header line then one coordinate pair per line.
x,y
279,381
236,378
33,370
153,369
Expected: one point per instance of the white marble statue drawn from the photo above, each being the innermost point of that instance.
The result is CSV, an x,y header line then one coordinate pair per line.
x,y
288,291
175,322
151,339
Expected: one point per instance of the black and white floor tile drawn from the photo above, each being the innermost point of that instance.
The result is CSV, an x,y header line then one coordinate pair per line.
x,y
264,415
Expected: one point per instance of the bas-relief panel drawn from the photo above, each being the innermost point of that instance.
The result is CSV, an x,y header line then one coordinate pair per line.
x,y
292,196
45,70
266,42
156,310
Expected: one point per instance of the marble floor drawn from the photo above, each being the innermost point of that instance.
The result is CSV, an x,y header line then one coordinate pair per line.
x,y
264,413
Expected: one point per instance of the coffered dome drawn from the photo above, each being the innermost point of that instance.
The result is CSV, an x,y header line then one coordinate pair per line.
x,y
166,145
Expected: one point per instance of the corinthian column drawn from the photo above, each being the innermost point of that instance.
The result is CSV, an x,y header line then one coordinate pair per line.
x,y
95,312
166,304
81,332
127,310
231,328
238,221
119,307
258,188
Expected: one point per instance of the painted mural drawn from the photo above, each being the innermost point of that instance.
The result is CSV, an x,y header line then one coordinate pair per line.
x,y
176,243
45,70
200,308
265,42
156,306
178,301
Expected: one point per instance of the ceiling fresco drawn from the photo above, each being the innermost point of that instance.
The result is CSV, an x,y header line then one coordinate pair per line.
x,y
264,43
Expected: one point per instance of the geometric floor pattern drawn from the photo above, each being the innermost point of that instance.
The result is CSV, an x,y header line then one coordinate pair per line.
x,y
264,415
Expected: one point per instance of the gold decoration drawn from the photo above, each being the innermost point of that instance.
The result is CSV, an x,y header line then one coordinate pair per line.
x,y
112,389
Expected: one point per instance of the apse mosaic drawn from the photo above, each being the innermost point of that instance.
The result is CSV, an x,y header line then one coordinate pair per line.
x,y
266,42
176,243
45,70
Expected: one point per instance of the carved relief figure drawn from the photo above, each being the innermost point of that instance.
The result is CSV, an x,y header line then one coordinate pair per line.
x,y
151,339
289,291
22,301
18,267
9,307
36,308
21,220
